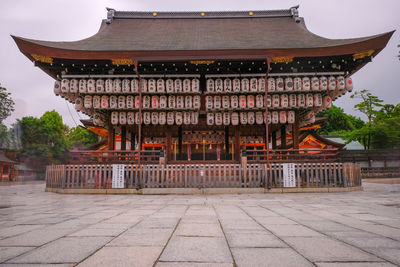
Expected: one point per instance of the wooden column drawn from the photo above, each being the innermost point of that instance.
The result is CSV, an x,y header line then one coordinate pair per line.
x,y
111,138
273,136
226,142
123,138
168,145
237,143
180,156
283,136
295,135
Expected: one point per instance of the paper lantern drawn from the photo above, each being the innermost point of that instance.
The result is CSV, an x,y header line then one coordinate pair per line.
x,y
349,84
210,119
317,100
91,86
122,118
194,117
137,102
162,118
121,102
154,101
268,118
228,85
323,83
225,102
126,86
96,101
130,118
297,84
217,102
245,85
114,118
315,83
178,118
146,118
269,101
187,85
331,83
236,85
291,116
340,83
188,102
186,118
292,100
151,86
169,84
210,85
88,100
160,86
180,102
251,118
242,101
170,118
130,100
163,102
226,118
195,85
65,86
259,101
146,101
271,84
301,101
275,117
74,86
218,118
79,103
104,102
253,85
109,86
327,102
305,84
135,86
82,86
276,101
57,87
196,101
280,85
143,83
243,118
282,117
284,101
138,118
235,118
234,102
100,86
171,102
250,101
209,102
261,85
117,86
259,118
154,118
219,85
288,84
309,100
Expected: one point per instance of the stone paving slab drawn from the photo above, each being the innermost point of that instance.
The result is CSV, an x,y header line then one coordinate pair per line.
x,y
353,229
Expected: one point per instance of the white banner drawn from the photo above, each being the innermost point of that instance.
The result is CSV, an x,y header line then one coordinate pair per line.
x,y
118,176
289,175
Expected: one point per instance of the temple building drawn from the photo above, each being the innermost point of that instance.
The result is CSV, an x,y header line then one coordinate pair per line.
x,y
202,86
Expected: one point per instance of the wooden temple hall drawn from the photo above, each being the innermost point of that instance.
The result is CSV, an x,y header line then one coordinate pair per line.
x,y
204,87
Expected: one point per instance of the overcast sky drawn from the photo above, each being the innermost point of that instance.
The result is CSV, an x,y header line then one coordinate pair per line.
x,y
70,20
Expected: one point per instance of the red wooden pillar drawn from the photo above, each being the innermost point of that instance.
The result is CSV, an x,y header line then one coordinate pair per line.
x,y
283,136
111,138
237,143
123,138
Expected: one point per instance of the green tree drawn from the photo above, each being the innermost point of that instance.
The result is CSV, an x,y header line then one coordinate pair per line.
x,y
338,121
80,137
6,104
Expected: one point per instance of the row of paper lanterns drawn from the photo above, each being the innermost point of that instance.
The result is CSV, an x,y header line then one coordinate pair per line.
x,y
250,118
154,118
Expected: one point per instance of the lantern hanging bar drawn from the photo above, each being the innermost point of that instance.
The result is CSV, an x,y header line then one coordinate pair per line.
x,y
83,76
275,74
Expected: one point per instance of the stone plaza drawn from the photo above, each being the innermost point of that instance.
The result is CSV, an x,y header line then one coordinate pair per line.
x,y
360,228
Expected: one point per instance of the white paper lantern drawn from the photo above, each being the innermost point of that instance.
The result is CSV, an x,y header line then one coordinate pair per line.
x,y
349,84
305,84
259,101
104,102
234,102
268,118
154,101
96,101
251,118
146,118
178,86
146,101
117,86
210,119
163,102
250,101
315,83
301,101
275,117
242,102
323,83
309,100
291,116
282,117
162,118
121,102
317,100
327,102
91,86
57,87
187,86
195,85
170,118
178,118
186,118
138,118
261,85
114,117
82,86
228,85
65,86
130,100
340,83
126,86
245,85
194,117
259,118
122,118
88,100
99,86
209,103
288,84
253,85
144,87
219,85
297,84
180,102
74,86
109,86
226,118
151,86
169,84
331,83
130,118
271,85
188,102
154,118
79,103
284,101
225,102
292,100
280,85
235,118
137,102
196,101
218,118
276,101
269,101
236,85
171,102
217,102
160,86
243,118
210,85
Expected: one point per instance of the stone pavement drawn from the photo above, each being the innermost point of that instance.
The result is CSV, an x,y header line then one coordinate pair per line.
x,y
331,229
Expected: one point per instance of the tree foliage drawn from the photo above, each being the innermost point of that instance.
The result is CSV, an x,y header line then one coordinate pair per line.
x,y
6,104
80,137
338,121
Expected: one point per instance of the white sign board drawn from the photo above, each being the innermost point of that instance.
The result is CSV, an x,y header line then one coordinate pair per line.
x,y
118,176
289,175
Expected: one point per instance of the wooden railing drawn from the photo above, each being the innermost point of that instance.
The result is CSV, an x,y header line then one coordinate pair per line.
x,y
293,155
98,176
112,156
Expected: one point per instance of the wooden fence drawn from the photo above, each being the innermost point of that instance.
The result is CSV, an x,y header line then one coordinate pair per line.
x,y
293,155
99,176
